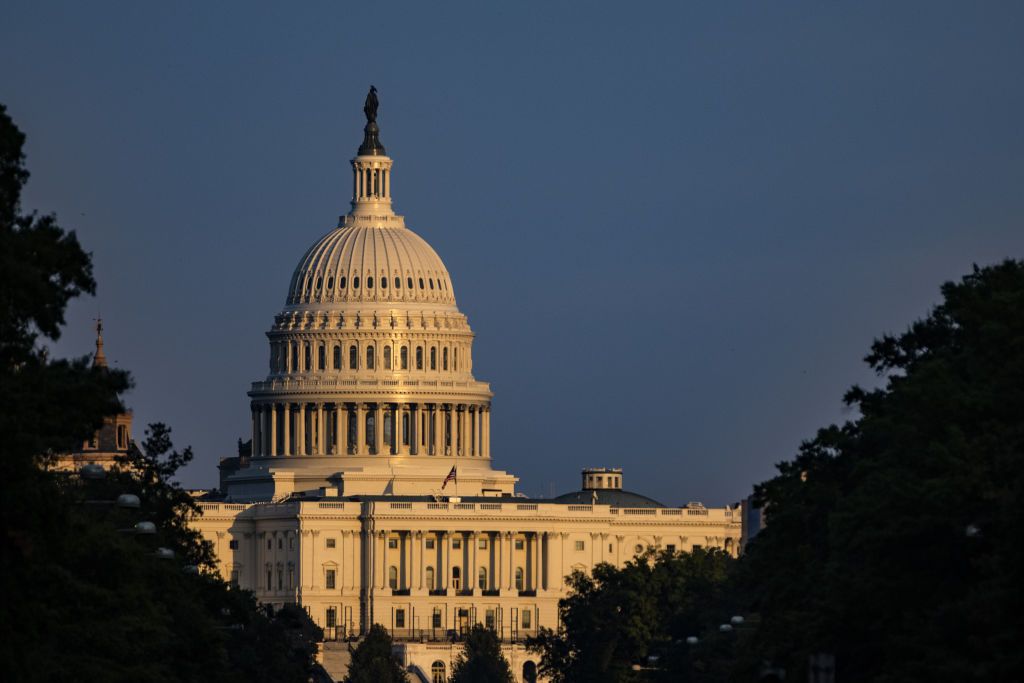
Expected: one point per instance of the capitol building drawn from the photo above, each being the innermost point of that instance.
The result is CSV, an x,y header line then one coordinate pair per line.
x,y
371,494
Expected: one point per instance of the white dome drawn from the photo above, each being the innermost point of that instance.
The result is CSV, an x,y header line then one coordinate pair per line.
x,y
371,262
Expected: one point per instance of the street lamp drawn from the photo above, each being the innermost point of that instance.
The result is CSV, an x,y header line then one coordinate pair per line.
x,y
128,501
164,554
692,640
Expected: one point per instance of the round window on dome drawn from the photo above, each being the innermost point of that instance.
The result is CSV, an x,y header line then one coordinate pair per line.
x,y
369,282
355,282
383,283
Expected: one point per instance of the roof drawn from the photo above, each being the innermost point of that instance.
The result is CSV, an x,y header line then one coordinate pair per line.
x,y
614,497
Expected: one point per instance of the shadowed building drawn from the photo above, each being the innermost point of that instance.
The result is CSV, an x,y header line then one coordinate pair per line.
x,y
370,494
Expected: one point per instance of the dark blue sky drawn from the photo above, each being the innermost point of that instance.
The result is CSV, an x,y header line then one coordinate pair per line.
x,y
675,228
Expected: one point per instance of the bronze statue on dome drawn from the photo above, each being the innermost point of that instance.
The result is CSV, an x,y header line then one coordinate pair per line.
x,y
370,107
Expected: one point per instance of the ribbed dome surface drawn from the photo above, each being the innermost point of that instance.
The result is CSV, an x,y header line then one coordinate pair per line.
x,y
368,264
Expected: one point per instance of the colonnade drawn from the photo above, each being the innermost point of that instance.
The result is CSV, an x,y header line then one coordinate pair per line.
x,y
450,562
376,428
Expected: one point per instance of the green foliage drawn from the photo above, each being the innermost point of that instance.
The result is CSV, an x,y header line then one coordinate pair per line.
x,y
867,552
372,661
618,617
83,599
481,660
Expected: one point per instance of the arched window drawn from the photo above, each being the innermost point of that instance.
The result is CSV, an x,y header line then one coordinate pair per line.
x,y
455,359
369,282
307,363
369,357
481,578
295,357
383,283
433,358
398,283
337,357
405,357
344,281
355,282
387,357
437,673
408,282
421,283
456,578
519,578
444,358
529,671
405,429
393,578
431,281
419,357
322,353
353,357
430,578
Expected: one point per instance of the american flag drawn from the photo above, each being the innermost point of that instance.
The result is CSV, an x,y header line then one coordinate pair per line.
x,y
450,477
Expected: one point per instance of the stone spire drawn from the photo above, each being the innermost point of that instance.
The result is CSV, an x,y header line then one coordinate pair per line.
x,y
371,133
99,360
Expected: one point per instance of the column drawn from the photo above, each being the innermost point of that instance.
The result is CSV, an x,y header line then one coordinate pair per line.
x,y
287,429
255,430
498,573
320,431
273,430
421,541
510,580
535,583
474,540
545,562
339,445
300,430
438,430
486,432
462,430
446,551
360,429
414,416
477,437
378,429
384,559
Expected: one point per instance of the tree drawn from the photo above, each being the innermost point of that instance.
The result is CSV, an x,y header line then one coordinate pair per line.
x,y
616,618
373,661
481,660
892,540
84,598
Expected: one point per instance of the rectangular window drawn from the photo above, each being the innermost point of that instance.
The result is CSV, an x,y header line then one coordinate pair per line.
x,y
330,579
332,617
519,544
270,579
330,543
489,619
579,546
436,618
280,544
392,543
527,621
399,618
291,576
291,543
482,544
697,546
233,544
456,543
270,544
234,577
430,544
609,547
670,547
